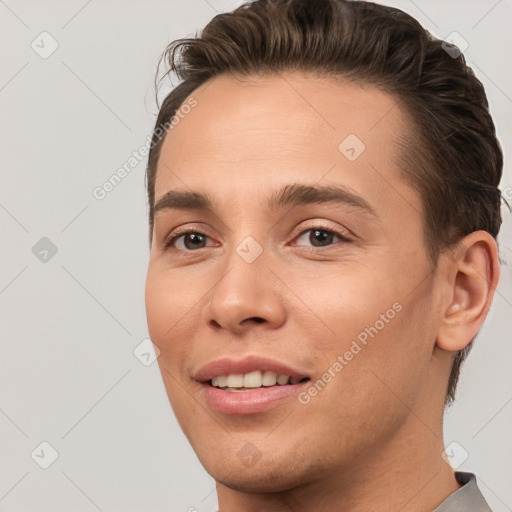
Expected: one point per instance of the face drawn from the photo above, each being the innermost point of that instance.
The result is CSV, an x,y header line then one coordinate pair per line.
x,y
309,263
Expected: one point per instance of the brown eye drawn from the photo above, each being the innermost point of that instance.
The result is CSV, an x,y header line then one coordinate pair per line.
x,y
319,237
191,240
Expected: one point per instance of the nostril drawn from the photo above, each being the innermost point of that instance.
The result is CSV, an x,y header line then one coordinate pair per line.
x,y
256,319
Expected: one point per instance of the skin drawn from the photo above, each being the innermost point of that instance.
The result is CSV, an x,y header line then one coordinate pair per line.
x,y
373,436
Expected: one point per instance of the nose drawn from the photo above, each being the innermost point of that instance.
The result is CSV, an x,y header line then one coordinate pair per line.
x,y
248,294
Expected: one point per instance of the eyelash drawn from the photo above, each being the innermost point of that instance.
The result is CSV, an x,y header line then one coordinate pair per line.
x,y
179,233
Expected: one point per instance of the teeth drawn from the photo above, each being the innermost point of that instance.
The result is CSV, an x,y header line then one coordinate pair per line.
x,y
254,379
235,381
269,379
222,381
283,379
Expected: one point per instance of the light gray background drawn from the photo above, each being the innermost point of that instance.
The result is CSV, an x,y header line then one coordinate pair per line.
x,y
68,375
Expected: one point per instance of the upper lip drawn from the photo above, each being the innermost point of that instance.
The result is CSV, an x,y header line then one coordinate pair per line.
x,y
226,366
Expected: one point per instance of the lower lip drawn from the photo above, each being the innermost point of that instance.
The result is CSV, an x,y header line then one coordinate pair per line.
x,y
248,402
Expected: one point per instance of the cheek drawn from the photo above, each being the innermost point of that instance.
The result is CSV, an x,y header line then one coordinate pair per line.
x,y
369,398
386,372
168,328
156,303
352,306
163,314
379,343
169,299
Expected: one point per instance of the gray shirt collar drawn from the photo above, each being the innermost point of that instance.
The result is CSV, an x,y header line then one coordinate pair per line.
x,y
467,498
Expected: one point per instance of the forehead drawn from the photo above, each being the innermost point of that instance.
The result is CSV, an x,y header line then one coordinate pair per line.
x,y
279,129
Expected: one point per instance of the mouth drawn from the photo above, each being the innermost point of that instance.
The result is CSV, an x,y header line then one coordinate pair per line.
x,y
248,386
238,382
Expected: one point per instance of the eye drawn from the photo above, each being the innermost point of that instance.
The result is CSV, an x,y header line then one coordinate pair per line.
x,y
191,240
321,237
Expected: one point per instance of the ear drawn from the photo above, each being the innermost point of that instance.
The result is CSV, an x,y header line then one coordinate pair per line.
x,y
472,280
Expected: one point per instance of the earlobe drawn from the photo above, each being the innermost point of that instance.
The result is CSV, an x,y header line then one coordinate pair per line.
x,y
474,275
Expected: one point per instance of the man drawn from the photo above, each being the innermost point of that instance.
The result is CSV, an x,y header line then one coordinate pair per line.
x,y
324,207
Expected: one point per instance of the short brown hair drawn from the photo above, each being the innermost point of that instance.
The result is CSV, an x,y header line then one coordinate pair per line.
x,y
452,156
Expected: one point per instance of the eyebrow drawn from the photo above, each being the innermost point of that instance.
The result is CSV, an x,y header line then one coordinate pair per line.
x,y
289,196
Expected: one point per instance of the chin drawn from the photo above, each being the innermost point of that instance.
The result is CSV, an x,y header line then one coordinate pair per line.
x,y
274,471
264,479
